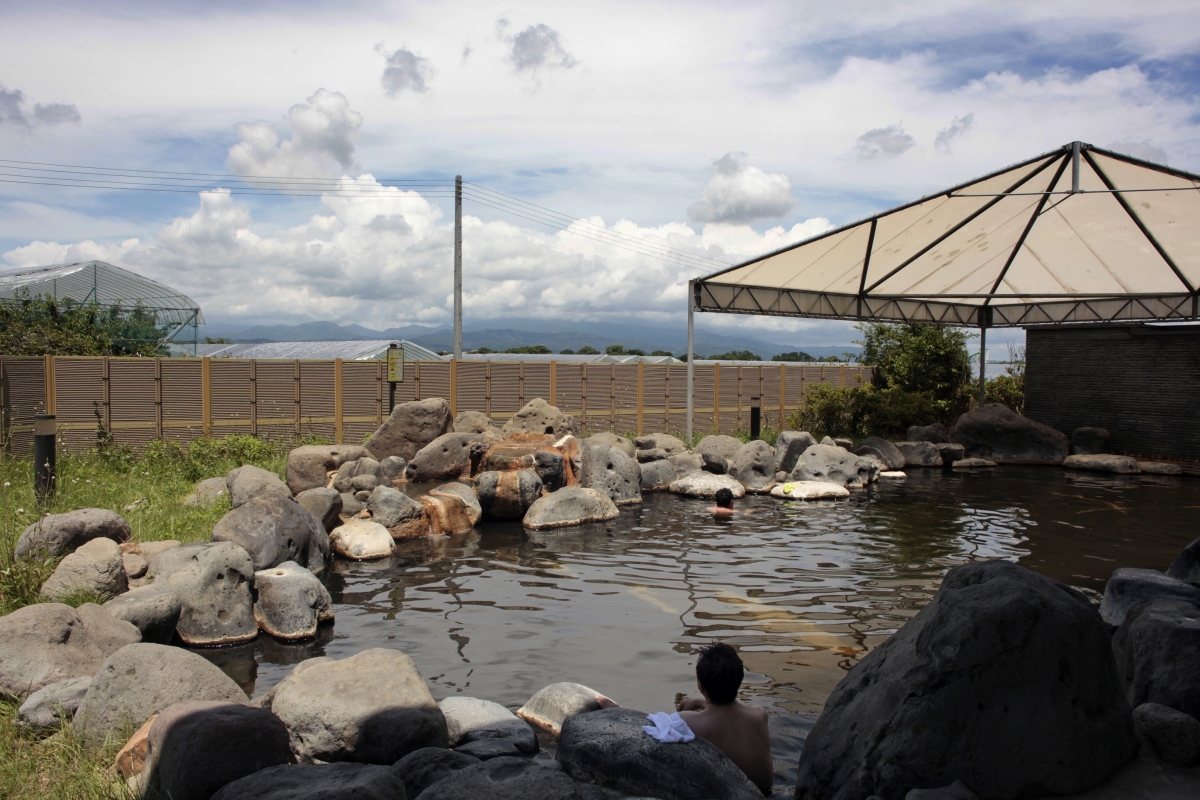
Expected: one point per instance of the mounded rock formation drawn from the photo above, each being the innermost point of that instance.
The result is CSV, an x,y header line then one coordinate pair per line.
x,y
324,504
1174,735
1186,566
1089,441
553,705
445,458
410,427
571,505
1129,586
1004,681
55,534
614,440
810,490
508,778
308,467
140,680
372,707
451,508
687,462
919,454
753,466
153,609
212,582
422,768
1120,465
950,452
316,782
248,482
657,476
935,433
95,568
1157,649
611,472
995,432
508,494
51,706
207,492
275,529
403,516
660,441
362,540
469,719
362,475
539,418
882,449
290,602
717,451
833,464
49,642
475,422
789,445
705,484
610,748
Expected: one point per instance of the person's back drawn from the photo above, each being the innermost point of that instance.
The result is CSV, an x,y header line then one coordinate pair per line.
x,y
738,730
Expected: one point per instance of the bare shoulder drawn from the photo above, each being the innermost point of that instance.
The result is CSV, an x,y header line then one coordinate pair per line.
x,y
755,714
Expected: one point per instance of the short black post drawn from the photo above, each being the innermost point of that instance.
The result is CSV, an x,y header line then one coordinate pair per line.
x,y
44,456
395,367
755,417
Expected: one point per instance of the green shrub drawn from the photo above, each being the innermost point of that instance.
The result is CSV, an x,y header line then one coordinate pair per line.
x,y
857,411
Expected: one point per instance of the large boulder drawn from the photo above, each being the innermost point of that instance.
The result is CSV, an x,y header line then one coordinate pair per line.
x,y
362,540
96,568
1129,586
833,464
611,472
1186,566
510,778
475,422
198,746
553,705
308,467
660,441
950,452
248,482
789,446
49,642
207,493
362,475
717,451
451,508
403,516
754,466
49,707
508,494
934,434
1120,465
212,582
614,440
706,484
919,454
687,462
1157,649
324,504
882,449
995,432
1089,441
657,476
56,534
1174,735
153,609
140,680
372,707
445,458
571,505
539,418
290,602
469,719
1004,681
410,427
422,768
275,529
316,782
610,748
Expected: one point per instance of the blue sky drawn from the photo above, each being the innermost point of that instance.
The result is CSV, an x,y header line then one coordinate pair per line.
x,y
724,129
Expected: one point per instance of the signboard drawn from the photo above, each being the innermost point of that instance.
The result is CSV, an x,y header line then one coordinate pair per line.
x,y
395,364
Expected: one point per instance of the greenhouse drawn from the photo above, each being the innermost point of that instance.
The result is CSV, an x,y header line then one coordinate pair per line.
x,y
103,286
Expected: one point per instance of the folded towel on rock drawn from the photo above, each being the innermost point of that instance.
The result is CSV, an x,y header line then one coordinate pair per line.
x,y
668,728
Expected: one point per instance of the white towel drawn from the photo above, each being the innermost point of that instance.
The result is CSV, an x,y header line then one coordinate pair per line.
x,y
668,728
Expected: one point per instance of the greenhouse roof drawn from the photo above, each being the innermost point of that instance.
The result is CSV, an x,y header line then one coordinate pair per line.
x,y
347,350
101,284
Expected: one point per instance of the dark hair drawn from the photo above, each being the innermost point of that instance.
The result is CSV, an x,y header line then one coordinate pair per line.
x,y
724,498
720,673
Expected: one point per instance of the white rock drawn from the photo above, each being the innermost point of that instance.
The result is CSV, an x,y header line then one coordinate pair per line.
x,y
362,540
810,490
894,474
705,484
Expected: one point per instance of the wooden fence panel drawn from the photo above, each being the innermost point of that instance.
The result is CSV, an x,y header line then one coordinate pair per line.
x,y
316,400
230,396
22,395
132,416
80,408
364,397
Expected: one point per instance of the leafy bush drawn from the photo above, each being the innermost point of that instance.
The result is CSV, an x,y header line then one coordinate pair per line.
x,y
34,326
858,411
203,458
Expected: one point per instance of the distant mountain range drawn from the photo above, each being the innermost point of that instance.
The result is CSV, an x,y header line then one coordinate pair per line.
x,y
506,333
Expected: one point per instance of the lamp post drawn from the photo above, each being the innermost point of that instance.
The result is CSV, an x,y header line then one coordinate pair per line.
x,y
44,456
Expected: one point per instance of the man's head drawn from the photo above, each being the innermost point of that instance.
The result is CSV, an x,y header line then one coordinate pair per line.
x,y
719,672
724,498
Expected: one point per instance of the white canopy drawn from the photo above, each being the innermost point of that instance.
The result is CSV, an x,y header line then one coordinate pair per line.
x,y
1079,234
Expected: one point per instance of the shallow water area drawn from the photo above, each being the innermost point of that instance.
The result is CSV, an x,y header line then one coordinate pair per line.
x,y
803,589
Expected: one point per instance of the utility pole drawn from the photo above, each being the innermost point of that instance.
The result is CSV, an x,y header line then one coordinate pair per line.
x,y
458,267
691,367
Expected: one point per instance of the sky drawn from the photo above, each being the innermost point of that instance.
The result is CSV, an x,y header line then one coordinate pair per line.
x,y
723,130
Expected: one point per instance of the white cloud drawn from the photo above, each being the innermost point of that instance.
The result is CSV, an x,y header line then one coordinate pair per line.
x,y
323,133
959,127
741,192
1145,150
405,71
886,142
535,47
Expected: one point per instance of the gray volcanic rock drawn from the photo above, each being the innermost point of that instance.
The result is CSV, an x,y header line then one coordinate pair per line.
x,y
140,680
718,451
754,466
49,707
714,462
687,462
1129,586
551,467
1159,468
372,707
660,441
153,609
571,505
705,484
919,454
135,566
396,511
212,582
362,475
657,476
55,534
291,602
324,504
950,452
469,719
49,642
1089,441
422,768
1004,681
789,445
393,467
508,494
474,422
609,471
972,463
996,432
196,747
96,568
445,458
505,779
645,456
934,434
539,418
882,449
1186,566
1157,649
308,466
317,782
467,494
351,506
833,464
1120,465
610,748
410,427
275,529
1174,735
207,492
614,440
362,540
248,482
552,705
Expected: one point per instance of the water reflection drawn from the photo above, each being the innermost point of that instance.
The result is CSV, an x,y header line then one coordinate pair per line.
x,y
804,590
